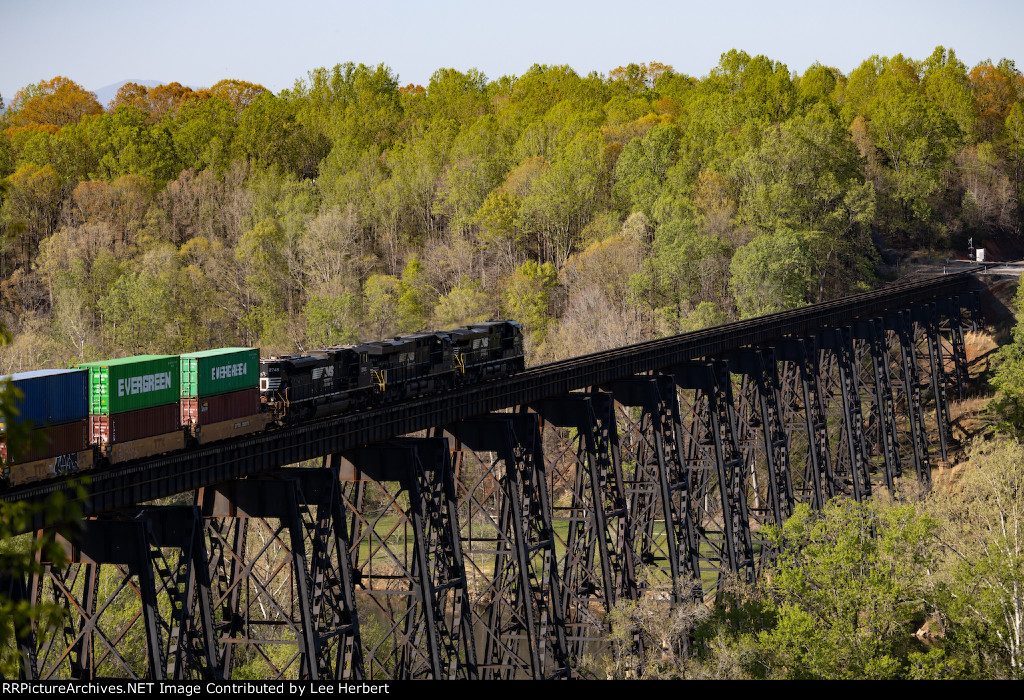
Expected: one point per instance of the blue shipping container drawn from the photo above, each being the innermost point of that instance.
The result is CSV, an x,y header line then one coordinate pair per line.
x,y
51,396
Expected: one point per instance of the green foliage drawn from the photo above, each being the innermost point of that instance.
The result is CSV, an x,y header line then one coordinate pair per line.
x,y
771,273
30,207
947,85
800,175
984,531
202,134
704,315
126,143
414,300
262,254
761,89
502,227
6,157
350,103
382,295
465,304
818,85
562,197
1008,379
135,310
331,320
269,133
916,133
684,269
281,208
456,96
690,640
527,294
846,590
850,590
477,165
642,167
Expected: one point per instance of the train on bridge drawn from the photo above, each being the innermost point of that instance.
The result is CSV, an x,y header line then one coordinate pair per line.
x,y
678,453
114,411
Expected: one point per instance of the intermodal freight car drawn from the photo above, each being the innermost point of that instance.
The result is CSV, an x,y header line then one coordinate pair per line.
x,y
113,411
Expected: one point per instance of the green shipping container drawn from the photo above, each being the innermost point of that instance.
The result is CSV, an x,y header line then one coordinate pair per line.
x,y
132,383
219,371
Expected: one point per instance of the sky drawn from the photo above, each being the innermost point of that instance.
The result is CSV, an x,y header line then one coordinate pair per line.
x,y
198,42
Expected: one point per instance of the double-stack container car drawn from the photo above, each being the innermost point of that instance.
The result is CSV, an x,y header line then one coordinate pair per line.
x,y
54,410
134,406
220,393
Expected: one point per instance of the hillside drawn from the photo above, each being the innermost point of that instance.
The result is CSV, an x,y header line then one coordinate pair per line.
x,y
597,210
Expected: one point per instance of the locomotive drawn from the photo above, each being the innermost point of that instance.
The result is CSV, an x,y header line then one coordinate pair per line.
x,y
350,377
118,405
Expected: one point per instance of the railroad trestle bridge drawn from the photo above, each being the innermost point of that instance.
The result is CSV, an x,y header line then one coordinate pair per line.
x,y
486,532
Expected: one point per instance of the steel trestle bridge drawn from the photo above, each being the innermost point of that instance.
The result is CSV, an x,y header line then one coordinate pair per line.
x,y
486,531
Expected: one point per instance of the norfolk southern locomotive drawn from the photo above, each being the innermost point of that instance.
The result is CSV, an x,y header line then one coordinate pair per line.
x,y
349,377
219,398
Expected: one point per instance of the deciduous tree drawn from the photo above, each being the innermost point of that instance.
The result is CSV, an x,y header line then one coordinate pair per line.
x,y
238,93
983,516
771,273
51,104
526,296
994,89
31,206
467,303
845,590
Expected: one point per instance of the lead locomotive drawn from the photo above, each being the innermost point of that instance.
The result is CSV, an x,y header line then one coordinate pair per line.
x,y
349,377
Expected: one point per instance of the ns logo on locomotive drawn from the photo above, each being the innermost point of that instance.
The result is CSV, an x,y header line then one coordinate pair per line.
x,y
108,412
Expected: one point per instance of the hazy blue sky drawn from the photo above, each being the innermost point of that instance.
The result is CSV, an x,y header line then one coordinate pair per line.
x,y
198,42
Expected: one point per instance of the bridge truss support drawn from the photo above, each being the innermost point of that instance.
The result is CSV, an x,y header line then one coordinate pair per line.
x,y
912,434
509,544
407,558
281,577
665,537
715,451
136,599
756,416
586,485
803,419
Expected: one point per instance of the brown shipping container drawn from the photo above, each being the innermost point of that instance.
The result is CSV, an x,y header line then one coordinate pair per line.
x,y
222,407
134,425
53,441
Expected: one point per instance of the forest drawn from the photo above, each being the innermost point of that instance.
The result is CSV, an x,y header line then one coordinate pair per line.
x,y
597,210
